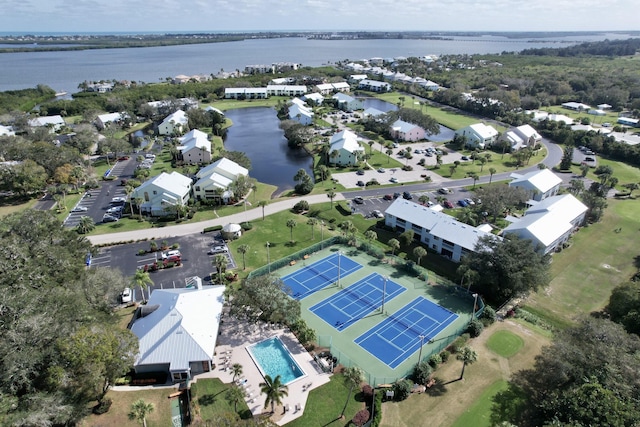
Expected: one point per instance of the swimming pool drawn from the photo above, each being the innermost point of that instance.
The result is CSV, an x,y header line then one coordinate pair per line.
x,y
273,359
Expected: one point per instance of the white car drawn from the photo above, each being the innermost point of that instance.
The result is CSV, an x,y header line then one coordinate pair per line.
x,y
119,200
217,249
79,209
114,210
171,253
126,296
394,180
377,214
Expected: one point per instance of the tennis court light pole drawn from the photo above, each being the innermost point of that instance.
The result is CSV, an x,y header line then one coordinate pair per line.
x,y
339,253
422,337
268,258
384,292
321,235
475,301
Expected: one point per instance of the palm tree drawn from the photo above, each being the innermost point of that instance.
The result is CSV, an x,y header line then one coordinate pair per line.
x,y
631,187
370,235
324,173
312,222
394,244
389,152
419,252
220,263
331,195
291,223
274,391
483,161
243,249
467,356
491,172
85,225
139,411
142,280
236,370
475,178
234,395
352,377
334,155
423,199
452,169
262,204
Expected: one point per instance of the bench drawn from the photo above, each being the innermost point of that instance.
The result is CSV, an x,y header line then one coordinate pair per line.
x,y
292,263
306,256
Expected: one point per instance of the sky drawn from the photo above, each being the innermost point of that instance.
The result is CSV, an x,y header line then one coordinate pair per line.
x,y
137,16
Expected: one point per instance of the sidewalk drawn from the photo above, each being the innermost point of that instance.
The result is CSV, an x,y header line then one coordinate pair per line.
x,y
197,227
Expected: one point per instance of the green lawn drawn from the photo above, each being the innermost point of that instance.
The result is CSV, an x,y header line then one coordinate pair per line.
x,y
209,395
10,205
478,415
231,104
325,404
500,163
505,343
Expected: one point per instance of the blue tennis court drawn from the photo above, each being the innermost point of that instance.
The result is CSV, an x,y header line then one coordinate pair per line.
x,y
320,274
398,336
349,305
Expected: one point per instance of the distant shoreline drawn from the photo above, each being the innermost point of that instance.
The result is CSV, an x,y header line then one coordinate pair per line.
x,y
55,42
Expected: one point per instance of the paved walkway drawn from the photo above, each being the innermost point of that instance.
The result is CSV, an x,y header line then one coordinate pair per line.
x,y
197,227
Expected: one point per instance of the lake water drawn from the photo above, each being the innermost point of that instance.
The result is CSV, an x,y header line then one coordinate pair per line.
x,y
65,70
256,132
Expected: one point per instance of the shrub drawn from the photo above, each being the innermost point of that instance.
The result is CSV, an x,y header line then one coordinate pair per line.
x,y
407,168
459,343
526,316
367,391
435,360
102,407
421,372
246,226
444,356
475,328
402,389
301,206
377,410
361,417
212,228
488,315
142,252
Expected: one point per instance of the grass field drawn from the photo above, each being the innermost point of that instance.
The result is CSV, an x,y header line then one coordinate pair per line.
x,y
209,398
478,414
505,343
122,400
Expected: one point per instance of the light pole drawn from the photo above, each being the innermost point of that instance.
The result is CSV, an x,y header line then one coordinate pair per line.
x,y
268,258
422,337
384,292
321,235
475,301
339,253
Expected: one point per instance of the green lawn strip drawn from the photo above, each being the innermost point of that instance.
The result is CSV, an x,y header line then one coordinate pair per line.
x,y
69,201
325,404
232,104
10,205
505,343
625,173
479,414
118,414
610,116
209,395
499,163
598,260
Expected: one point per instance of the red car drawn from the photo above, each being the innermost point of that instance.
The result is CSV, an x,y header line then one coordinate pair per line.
x,y
123,158
388,197
448,204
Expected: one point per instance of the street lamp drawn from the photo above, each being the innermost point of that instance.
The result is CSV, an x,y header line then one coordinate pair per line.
x,y
339,253
268,258
475,301
422,337
384,292
321,235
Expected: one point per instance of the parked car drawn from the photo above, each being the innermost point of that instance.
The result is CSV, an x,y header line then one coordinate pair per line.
x,y
463,203
406,195
447,204
396,195
360,183
428,154
589,159
606,125
110,218
123,158
359,200
381,170
118,200
376,213
388,197
79,209
469,201
115,210
126,296
217,249
394,180
174,253
444,190
360,172
465,157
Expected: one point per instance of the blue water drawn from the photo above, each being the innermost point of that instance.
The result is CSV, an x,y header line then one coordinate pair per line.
x,y
274,359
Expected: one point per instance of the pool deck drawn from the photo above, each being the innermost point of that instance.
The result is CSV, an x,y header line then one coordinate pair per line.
x,y
235,336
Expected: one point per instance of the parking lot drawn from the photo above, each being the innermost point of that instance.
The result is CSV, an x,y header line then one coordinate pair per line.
x,y
195,257
396,175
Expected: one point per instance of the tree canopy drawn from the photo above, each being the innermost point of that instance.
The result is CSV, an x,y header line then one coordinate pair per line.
x,y
506,267
264,298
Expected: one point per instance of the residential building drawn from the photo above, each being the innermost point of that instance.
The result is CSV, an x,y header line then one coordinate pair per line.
x,y
167,106
405,131
347,103
357,78
54,123
478,135
628,121
576,106
315,97
549,224
521,137
438,231
300,112
540,184
177,331
373,112
195,147
286,90
213,181
104,119
6,131
174,123
163,193
245,93
345,149
374,85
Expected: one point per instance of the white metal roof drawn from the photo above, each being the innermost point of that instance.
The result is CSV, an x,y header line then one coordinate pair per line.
x,y
542,180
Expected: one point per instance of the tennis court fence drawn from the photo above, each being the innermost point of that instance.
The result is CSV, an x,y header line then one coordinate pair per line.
x,y
371,378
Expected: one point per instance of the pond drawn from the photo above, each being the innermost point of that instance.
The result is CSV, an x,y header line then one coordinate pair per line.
x,y
445,133
256,132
